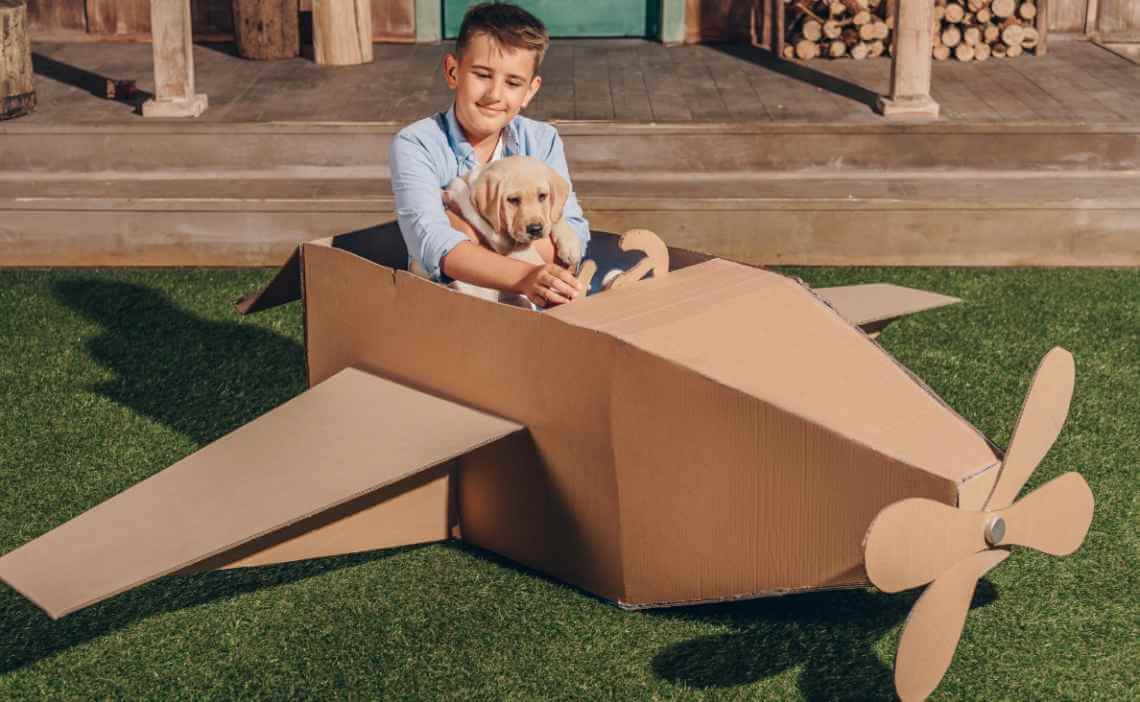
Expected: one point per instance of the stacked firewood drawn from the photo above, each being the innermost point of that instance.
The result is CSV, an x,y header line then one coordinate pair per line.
x,y
968,30
975,30
837,28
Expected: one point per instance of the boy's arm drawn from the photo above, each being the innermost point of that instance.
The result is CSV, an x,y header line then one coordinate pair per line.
x,y
419,208
444,250
555,157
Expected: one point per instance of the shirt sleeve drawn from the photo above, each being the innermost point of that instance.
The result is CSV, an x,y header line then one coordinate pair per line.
x,y
555,157
419,207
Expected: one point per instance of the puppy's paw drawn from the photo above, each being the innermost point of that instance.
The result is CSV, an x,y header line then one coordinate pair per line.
x,y
455,194
567,246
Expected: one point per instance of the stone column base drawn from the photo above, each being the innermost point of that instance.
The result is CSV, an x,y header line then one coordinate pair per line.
x,y
917,106
183,107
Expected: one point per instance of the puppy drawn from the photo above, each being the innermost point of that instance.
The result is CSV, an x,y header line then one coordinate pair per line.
x,y
512,204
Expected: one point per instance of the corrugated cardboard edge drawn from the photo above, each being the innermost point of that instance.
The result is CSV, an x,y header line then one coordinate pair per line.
x,y
862,584
998,453
902,301
284,287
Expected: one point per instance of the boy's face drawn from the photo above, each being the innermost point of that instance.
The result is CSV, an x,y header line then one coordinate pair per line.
x,y
492,83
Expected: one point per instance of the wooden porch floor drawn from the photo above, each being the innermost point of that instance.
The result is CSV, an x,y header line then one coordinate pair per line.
x,y
619,80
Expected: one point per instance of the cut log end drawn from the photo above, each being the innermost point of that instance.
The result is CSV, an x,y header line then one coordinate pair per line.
x,y
17,75
1003,8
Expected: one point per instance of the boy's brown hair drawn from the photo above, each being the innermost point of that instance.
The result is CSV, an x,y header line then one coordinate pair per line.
x,y
509,25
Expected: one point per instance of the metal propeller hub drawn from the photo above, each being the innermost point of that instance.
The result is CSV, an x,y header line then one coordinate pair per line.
x,y
995,531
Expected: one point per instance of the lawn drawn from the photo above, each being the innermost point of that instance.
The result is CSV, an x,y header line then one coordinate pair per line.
x,y
106,377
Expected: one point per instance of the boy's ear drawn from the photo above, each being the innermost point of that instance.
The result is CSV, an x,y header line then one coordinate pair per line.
x,y
535,84
451,70
485,195
559,191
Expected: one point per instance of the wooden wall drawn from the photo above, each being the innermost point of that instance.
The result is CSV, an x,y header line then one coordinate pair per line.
x,y
1111,16
1067,15
392,20
716,20
1118,17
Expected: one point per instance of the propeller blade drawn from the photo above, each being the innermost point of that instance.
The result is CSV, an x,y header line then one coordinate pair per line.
x,y
1054,518
934,626
913,541
1042,416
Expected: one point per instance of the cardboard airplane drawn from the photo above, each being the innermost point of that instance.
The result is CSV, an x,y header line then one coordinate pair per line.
x,y
713,432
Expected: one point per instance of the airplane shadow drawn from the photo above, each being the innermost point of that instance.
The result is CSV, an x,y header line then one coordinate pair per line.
x,y
29,635
830,636
201,378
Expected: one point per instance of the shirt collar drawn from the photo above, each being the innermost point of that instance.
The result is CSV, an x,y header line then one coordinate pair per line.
x,y
463,148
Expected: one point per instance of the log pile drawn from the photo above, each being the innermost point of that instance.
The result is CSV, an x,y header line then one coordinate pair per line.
x,y
836,28
975,30
966,30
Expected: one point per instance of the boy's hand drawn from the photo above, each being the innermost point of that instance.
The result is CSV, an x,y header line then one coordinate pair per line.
x,y
549,284
456,219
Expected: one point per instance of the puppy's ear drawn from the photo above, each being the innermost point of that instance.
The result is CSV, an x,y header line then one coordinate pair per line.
x,y
485,195
559,191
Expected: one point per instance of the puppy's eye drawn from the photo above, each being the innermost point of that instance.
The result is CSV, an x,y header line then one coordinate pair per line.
x,y
542,197
514,200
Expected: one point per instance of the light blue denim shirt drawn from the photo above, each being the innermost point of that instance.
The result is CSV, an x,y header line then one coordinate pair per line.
x,y
427,155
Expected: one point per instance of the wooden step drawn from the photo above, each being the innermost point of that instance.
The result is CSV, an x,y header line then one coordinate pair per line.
x,y
981,218
603,148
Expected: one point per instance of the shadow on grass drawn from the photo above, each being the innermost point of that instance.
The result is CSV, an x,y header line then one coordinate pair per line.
x,y
29,635
829,635
199,377
202,379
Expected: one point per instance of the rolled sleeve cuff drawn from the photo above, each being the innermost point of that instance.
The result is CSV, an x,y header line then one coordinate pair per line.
x,y
435,248
582,229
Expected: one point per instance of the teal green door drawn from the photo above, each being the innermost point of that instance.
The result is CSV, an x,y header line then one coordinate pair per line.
x,y
573,18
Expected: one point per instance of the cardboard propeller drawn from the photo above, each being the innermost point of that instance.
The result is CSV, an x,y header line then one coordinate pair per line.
x,y
918,541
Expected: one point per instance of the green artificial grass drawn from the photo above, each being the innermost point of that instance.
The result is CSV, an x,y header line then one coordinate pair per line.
x,y
107,377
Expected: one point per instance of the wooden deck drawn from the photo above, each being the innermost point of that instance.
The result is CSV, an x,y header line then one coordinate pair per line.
x,y
607,80
1034,161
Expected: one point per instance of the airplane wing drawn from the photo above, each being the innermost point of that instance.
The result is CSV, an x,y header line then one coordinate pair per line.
x,y
875,305
332,448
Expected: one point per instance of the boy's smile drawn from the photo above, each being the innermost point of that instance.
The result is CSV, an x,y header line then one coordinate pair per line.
x,y
492,83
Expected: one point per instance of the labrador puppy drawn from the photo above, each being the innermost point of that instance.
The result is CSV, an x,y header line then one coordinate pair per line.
x,y
512,204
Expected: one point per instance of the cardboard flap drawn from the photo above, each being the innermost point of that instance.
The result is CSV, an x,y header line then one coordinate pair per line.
x,y
285,287
875,305
348,436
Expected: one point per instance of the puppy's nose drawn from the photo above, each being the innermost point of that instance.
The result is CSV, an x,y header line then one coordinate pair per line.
x,y
534,231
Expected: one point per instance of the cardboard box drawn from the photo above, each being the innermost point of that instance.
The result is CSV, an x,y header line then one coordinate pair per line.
x,y
719,432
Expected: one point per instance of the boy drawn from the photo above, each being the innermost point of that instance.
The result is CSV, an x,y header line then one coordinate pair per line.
x,y
493,74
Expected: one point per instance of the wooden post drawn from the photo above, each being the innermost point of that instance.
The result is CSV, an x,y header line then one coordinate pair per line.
x,y
266,30
174,94
342,32
17,78
911,63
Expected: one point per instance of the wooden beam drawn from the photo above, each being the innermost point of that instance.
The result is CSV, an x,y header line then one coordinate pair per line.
x,y
1091,16
672,21
911,63
173,62
429,21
